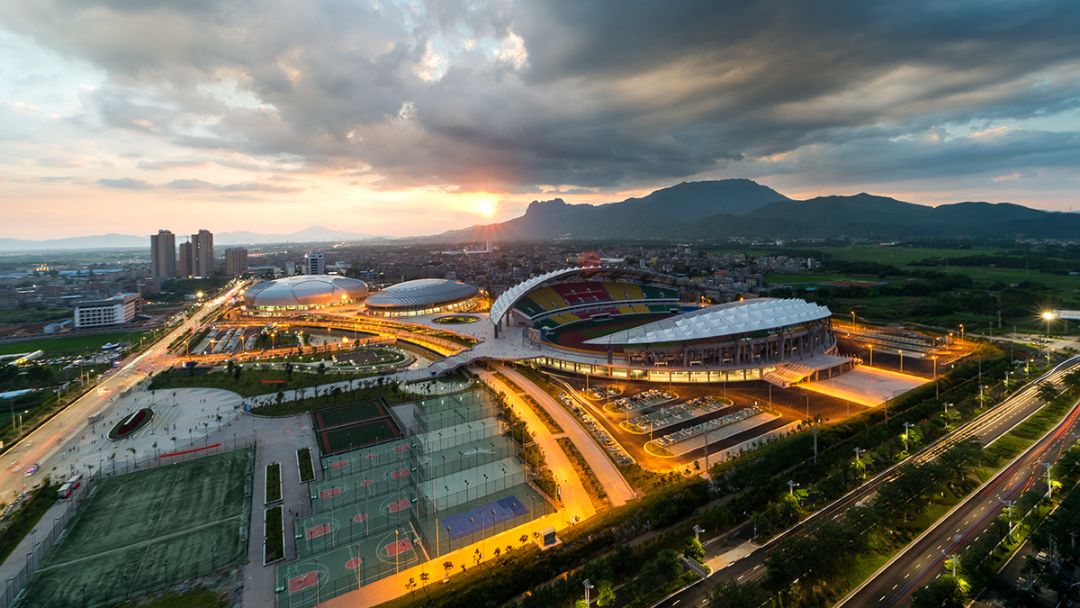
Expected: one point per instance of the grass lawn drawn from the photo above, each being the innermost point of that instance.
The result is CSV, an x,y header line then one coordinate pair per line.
x,y
303,460
273,483
274,549
250,382
196,598
26,518
70,344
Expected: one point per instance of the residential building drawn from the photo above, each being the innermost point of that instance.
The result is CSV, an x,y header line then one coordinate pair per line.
x,y
314,263
163,255
186,266
202,253
236,260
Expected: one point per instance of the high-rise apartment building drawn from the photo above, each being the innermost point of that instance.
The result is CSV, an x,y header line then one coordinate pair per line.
x,y
186,266
314,263
202,253
163,255
235,261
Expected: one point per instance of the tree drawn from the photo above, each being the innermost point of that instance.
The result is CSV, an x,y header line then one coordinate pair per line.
x,y
1047,392
605,594
943,592
734,595
693,549
321,369
581,604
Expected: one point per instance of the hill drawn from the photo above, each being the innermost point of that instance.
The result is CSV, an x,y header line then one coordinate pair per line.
x,y
718,210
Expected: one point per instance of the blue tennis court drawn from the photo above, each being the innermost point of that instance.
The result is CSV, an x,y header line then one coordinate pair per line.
x,y
478,518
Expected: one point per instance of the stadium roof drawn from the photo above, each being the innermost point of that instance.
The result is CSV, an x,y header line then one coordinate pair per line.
x,y
305,290
721,320
508,298
422,293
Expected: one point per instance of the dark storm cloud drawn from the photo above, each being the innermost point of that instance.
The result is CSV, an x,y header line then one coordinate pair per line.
x,y
594,95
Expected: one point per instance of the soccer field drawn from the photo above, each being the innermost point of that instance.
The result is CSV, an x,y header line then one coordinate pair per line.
x,y
357,435
143,531
348,414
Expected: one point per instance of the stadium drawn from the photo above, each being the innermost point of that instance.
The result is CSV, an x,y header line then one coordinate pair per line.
x,y
634,324
304,292
423,297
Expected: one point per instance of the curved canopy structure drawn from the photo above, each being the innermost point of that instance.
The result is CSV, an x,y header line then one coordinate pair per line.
x,y
305,291
421,294
718,321
511,296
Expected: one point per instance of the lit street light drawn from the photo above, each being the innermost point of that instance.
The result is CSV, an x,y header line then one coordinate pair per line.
x,y
588,585
1048,316
904,436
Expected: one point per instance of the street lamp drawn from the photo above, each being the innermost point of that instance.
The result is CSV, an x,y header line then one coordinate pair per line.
x,y
588,585
791,485
947,404
901,351
871,347
858,452
904,436
853,318
1048,316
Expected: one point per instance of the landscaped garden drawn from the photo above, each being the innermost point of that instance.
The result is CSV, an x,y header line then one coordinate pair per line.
x,y
131,424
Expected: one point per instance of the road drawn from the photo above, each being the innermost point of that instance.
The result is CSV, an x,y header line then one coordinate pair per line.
x,y
924,558
618,490
49,438
986,428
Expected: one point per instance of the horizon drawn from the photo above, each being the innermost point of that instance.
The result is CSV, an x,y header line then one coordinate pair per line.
x,y
410,119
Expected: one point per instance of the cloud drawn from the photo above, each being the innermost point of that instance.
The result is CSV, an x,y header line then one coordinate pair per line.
x,y
126,183
516,96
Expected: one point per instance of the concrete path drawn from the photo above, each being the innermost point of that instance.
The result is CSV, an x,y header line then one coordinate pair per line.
x,y
618,490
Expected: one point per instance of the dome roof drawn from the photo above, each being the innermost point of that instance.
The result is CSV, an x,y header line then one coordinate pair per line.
x,y
305,290
422,293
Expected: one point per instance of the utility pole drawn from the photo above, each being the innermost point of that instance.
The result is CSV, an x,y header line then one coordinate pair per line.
x,y
1008,513
1049,483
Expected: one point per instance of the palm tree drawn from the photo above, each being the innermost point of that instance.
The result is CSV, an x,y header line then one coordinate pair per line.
x,y
410,585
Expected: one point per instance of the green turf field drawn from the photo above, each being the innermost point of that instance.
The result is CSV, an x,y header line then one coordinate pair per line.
x,y
70,344
357,435
348,414
147,530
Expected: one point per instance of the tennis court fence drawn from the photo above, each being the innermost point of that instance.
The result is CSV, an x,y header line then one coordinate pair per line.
x,y
16,585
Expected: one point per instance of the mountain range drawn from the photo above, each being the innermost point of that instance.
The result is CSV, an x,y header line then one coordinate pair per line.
x,y
717,210
311,234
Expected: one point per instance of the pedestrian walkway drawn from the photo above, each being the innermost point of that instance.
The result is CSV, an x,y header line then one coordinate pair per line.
x,y
615,485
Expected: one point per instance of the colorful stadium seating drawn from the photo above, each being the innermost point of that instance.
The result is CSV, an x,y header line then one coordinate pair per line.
x,y
590,299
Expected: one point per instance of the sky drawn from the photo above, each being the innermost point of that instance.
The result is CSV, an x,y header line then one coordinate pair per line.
x,y
414,117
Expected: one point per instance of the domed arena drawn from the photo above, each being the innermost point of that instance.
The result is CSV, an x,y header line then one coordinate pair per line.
x,y
421,297
304,292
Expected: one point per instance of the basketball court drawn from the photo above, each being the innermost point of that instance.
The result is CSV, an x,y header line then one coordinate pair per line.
x,y
350,522
349,463
309,580
339,491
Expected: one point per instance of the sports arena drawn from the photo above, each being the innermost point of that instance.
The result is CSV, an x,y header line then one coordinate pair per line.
x,y
635,324
304,292
423,297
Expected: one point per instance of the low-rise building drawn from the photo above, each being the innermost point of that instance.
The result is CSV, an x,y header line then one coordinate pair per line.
x,y
117,310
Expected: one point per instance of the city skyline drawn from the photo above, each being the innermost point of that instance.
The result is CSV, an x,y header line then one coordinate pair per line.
x,y
400,119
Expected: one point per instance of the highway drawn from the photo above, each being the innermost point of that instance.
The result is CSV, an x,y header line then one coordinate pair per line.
x,y
986,428
48,439
924,558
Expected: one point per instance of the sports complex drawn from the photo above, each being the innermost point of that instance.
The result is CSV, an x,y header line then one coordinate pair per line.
x,y
643,364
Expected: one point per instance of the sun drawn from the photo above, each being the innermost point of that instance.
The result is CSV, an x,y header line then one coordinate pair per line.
x,y
485,205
